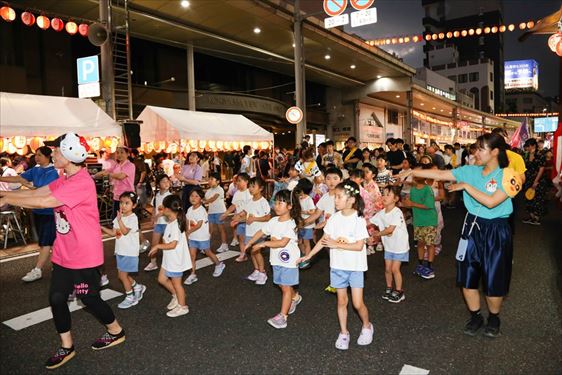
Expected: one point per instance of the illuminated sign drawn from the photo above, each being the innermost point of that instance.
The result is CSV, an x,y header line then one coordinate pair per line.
x,y
546,124
521,74
443,93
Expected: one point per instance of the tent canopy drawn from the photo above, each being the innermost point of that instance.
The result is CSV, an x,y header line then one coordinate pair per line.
x,y
167,124
39,115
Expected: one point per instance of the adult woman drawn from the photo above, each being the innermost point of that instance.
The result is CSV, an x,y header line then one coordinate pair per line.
x,y
122,175
41,175
535,178
78,249
485,250
191,175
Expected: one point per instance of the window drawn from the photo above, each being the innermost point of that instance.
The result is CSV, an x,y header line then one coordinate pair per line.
x,y
491,77
392,117
462,78
453,78
491,95
474,77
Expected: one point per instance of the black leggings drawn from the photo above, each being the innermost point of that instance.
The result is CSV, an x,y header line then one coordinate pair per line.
x,y
86,283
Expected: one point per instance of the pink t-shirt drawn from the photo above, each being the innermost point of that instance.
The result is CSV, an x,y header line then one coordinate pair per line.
x,y
127,184
78,243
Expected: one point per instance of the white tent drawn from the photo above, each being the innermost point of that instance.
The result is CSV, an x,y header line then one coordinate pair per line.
x,y
39,115
166,124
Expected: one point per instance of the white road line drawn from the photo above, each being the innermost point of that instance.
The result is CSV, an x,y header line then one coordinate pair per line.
x,y
205,262
45,314
411,370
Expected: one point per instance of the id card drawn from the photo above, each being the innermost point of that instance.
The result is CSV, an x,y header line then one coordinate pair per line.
x,y
461,249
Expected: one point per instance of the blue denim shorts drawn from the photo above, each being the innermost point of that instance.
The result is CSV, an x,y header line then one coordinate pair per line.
x,y
127,263
199,245
285,276
402,257
340,279
241,229
160,228
173,274
215,219
306,233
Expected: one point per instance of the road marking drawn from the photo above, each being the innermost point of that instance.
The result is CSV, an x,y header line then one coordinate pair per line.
x,y
45,314
205,262
411,370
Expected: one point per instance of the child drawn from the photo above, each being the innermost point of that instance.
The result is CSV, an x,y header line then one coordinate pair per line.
x,y
239,200
345,235
384,176
158,219
229,195
422,202
175,259
198,235
284,252
373,204
394,234
247,166
307,166
214,197
307,208
318,189
331,156
126,232
255,214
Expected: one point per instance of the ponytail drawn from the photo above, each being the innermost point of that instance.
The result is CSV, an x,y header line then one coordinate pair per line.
x,y
291,197
492,141
174,203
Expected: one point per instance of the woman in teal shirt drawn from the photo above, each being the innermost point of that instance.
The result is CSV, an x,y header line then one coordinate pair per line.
x,y
486,247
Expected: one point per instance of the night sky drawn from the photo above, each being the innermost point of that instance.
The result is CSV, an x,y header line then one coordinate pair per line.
x,y
403,17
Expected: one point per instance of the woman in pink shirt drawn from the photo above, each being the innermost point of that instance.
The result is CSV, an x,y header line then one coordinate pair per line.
x,y
122,175
78,249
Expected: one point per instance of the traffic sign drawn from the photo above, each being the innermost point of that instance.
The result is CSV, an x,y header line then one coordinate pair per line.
x,y
88,69
89,90
294,115
361,4
342,19
364,17
334,7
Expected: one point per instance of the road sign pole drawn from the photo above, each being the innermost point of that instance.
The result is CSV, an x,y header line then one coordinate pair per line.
x,y
300,79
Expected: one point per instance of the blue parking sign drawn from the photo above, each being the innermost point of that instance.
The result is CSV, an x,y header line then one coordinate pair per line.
x,y
88,69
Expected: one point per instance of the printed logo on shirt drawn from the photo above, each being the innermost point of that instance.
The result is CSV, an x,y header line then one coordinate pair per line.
x,y
492,186
284,256
63,226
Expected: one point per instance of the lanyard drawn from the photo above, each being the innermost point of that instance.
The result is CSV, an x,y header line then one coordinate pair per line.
x,y
474,223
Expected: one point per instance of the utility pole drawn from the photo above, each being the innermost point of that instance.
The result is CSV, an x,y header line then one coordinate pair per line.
x,y
300,80
107,80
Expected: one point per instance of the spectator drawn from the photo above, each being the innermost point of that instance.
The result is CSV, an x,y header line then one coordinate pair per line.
x,y
351,155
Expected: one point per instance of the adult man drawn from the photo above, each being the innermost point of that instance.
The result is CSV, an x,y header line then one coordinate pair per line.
x,y
437,159
321,153
394,156
141,173
351,155
458,153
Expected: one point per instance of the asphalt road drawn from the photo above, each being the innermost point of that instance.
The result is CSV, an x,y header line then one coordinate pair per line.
x,y
226,329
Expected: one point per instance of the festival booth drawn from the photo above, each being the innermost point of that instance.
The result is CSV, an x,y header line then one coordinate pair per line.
x,y
28,120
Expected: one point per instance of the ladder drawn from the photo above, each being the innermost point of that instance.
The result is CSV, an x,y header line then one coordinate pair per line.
x,y
122,85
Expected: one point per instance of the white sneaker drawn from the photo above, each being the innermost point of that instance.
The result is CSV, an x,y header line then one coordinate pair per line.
x,y
151,267
104,281
178,311
261,279
173,303
33,275
379,247
253,276
234,242
192,278
366,336
129,301
145,246
222,248
139,290
219,268
342,343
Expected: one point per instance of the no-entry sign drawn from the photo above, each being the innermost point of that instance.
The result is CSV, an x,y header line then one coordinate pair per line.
x,y
361,4
294,115
334,7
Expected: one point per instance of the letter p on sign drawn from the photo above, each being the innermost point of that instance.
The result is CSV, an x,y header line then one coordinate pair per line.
x,y
88,69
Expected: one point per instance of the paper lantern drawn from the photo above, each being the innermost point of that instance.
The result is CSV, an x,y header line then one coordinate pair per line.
x,y
95,143
407,39
11,148
2,143
71,27
530,25
202,144
511,27
107,142
149,147
8,14
220,145
236,146
18,141
192,143
400,40
27,18
428,37
449,35
35,143
83,29
172,148
494,29
559,49
456,34
487,30
255,145
264,145
212,145
227,145
471,32
502,29
522,26
464,33
434,36
114,144
441,35
553,41
57,24
43,22
478,31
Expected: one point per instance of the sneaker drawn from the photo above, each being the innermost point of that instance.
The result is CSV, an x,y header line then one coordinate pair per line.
x,y
129,301
62,356
178,311
278,321
151,267
261,279
139,290
330,289
535,222
294,304
492,331
219,268
33,275
342,343
104,281
396,297
304,265
234,242
253,276
427,273
173,303
473,325
192,278
366,336
379,247
72,296
528,220
241,258
387,293
144,246
222,248
419,269
107,340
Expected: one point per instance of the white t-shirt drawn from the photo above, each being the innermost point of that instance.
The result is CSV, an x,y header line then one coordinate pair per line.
x,y
398,241
257,208
283,256
127,245
158,199
217,206
307,204
349,229
177,259
246,166
194,216
327,204
240,199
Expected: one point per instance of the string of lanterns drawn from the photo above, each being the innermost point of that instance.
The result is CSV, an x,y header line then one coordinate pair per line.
x,y
43,22
451,34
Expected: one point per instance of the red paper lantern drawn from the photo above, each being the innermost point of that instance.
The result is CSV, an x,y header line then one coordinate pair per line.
x,y
71,27
8,14
43,22
449,35
559,49
530,25
553,41
456,34
27,18
428,37
57,24
83,29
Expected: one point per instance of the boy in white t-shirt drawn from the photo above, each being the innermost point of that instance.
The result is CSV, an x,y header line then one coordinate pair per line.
x,y
239,200
214,197
394,233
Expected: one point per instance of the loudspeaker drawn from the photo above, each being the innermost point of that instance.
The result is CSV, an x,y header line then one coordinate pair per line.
x,y
97,34
131,132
